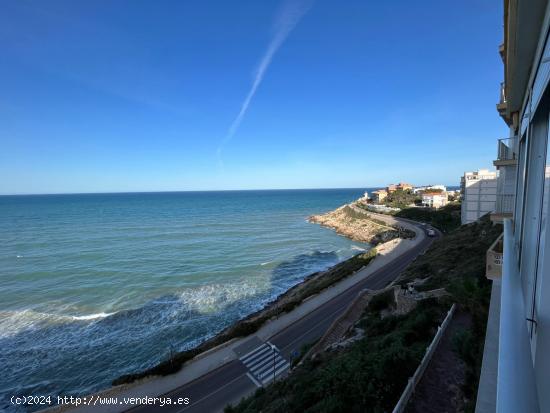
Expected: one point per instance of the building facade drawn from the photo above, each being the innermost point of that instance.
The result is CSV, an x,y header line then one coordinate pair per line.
x,y
379,196
402,186
515,374
434,199
479,194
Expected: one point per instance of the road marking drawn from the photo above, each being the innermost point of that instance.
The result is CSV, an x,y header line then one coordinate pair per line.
x,y
264,363
256,382
254,354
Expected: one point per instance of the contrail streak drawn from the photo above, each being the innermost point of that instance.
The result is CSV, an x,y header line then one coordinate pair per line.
x,y
288,18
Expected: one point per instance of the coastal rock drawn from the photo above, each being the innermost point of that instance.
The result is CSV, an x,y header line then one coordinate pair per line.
x,y
351,222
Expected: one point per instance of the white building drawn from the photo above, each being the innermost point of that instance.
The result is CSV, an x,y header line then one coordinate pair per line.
x,y
479,194
515,374
417,189
434,199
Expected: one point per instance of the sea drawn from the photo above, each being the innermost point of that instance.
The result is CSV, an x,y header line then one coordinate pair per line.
x,y
94,286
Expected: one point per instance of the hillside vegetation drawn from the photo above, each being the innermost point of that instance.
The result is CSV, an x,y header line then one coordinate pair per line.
x,y
368,377
445,219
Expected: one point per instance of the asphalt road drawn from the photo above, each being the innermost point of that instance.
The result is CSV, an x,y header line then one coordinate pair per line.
x,y
229,383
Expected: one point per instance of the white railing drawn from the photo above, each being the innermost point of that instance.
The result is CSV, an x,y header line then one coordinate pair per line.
x,y
516,387
505,203
413,381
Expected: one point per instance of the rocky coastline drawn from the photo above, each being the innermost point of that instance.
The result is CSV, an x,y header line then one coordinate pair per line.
x,y
354,222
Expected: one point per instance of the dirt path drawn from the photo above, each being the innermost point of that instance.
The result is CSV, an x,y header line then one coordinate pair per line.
x,y
439,389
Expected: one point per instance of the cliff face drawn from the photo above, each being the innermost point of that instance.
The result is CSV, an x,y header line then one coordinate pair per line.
x,y
356,224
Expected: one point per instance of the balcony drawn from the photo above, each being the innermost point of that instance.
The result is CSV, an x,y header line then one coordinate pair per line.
x,y
493,266
502,106
504,208
506,152
505,203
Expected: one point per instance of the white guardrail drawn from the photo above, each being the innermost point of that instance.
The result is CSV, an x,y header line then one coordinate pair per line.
x,y
413,381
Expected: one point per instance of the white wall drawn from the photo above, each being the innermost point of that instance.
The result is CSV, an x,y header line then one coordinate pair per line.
x,y
479,196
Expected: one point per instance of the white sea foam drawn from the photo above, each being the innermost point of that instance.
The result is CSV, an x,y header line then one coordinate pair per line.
x,y
356,248
13,322
214,297
91,316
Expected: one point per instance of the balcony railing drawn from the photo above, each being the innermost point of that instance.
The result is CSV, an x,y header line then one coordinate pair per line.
x,y
506,150
493,266
505,203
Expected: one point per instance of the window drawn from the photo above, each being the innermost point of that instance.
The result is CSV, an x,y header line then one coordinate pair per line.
x,y
534,171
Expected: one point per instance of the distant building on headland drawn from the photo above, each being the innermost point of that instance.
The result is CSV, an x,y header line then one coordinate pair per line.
x,y
379,196
402,186
434,188
434,199
479,194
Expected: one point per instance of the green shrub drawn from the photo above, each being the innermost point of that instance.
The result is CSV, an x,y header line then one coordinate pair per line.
x,y
381,301
445,219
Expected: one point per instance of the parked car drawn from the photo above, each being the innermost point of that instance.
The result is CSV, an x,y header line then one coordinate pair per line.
x,y
430,233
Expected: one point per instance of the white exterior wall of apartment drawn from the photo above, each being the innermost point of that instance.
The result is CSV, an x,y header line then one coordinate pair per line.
x,y
479,194
530,236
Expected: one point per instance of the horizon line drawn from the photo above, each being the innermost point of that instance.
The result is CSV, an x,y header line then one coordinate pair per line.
x,y
200,190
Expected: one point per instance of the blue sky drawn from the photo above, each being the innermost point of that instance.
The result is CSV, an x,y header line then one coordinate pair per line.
x,y
105,96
